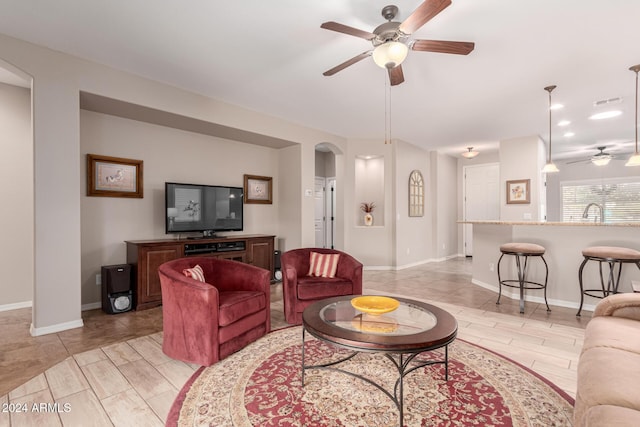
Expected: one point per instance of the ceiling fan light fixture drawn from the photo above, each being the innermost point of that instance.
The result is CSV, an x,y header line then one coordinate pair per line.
x,y
390,54
470,154
601,160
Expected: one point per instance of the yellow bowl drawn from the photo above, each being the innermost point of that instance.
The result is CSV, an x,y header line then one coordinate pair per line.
x,y
374,304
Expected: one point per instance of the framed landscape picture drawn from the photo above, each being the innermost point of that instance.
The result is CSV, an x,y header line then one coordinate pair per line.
x,y
518,191
114,177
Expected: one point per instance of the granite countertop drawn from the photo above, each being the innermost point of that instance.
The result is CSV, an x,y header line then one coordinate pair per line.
x,y
565,224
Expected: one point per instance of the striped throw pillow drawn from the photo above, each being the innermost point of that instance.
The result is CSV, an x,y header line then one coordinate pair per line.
x,y
195,273
323,265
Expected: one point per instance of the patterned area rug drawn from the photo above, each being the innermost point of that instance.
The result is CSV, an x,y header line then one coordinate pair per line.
x,y
261,386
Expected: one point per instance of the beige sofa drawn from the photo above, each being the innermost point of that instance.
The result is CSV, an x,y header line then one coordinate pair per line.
x,y
609,367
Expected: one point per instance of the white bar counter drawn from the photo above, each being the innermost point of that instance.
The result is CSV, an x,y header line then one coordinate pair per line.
x,y
564,242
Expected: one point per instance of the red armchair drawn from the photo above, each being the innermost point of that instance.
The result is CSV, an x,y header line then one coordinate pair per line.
x,y
205,322
300,290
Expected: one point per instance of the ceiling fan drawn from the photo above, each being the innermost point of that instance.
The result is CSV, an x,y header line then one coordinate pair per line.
x,y
392,40
600,159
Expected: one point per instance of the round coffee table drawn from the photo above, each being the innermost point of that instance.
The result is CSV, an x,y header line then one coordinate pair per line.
x,y
401,335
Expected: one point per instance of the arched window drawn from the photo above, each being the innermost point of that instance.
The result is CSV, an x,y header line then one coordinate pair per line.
x,y
416,194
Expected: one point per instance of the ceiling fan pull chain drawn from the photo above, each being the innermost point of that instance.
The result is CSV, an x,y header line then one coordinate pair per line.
x,y
387,111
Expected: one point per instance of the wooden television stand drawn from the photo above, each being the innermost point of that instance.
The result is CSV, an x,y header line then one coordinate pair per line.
x,y
145,256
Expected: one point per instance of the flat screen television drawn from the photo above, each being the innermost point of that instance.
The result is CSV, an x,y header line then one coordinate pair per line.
x,y
202,208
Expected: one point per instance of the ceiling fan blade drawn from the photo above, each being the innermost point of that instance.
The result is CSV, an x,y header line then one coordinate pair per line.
x,y
396,76
578,161
345,29
347,63
458,48
422,14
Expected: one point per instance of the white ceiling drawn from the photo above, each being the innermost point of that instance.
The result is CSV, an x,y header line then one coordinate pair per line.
x,y
269,56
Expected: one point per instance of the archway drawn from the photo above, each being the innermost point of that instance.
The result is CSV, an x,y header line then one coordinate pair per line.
x,y
327,194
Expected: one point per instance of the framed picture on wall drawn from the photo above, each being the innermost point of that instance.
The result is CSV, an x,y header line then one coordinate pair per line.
x,y
258,189
518,191
114,177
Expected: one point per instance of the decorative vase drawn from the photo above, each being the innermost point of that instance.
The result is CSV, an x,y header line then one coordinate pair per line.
x,y
368,219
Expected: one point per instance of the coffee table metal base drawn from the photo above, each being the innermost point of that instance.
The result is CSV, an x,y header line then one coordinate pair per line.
x,y
404,363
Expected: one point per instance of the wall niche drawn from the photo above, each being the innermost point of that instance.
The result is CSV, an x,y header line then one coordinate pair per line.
x,y
369,188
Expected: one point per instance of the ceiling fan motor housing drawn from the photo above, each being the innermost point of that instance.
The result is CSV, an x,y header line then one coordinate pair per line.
x,y
388,32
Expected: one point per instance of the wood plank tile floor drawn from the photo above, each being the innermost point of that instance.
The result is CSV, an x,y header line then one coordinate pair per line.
x,y
113,372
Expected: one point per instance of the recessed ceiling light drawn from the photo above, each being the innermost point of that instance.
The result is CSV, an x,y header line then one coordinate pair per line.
x,y
605,115
556,107
569,134
564,123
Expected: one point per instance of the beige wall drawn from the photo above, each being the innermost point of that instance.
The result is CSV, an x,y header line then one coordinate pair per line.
x,y
169,155
446,207
58,80
373,246
522,158
402,241
414,237
16,192
73,235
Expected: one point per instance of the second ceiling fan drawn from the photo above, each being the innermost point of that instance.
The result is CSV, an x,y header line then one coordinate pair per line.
x,y
392,40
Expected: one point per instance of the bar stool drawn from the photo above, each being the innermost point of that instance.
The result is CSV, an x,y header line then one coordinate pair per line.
x,y
612,255
523,251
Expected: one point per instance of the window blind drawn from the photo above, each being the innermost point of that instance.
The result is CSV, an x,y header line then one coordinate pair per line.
x,y
619,198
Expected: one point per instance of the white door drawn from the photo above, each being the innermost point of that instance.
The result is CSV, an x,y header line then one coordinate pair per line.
x,y
320,220
481,198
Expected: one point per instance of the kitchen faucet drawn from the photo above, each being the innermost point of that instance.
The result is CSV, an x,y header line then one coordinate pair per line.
x,y
585,214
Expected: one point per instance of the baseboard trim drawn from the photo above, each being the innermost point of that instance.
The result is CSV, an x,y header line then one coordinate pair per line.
x,y
16,306
91,306
410,265
36,332
514,294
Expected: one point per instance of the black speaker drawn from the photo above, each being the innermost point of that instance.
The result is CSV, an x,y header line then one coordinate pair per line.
x,y
277,266
117,296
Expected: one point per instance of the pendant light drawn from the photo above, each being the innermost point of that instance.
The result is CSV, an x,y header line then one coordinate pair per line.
x,y
470,154
549,167
635,159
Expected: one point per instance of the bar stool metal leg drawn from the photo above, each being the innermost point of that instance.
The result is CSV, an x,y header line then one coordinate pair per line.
x,y
521,275
499,281
546,279
612,256
522,266
581,285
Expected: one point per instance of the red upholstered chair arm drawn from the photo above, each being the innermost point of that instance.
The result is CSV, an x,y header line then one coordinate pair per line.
x,y
290,280
191,298
293,264
350,268
189,318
